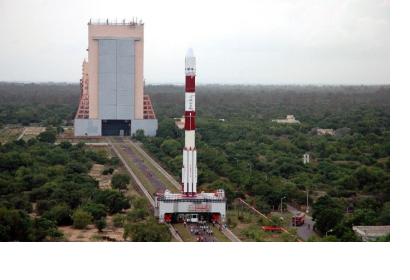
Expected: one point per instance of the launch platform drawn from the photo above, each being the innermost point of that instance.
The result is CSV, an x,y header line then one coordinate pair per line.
x,y
176,207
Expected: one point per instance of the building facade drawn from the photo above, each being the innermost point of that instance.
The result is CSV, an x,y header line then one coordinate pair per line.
x,y
112,98
290,119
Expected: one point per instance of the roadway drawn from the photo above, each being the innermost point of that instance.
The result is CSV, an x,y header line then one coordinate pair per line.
x,y
118,144
148,174
306,230
157,166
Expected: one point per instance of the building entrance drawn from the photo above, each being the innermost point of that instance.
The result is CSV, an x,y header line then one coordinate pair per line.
x,y
116,127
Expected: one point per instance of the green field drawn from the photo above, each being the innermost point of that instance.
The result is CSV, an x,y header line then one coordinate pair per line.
x,y
158,174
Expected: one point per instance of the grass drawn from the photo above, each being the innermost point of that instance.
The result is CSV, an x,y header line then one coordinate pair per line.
x,y
184,233
220,236
148,163
140,175
249,228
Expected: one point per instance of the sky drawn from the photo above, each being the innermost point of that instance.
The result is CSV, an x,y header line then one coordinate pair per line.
x,y
235,42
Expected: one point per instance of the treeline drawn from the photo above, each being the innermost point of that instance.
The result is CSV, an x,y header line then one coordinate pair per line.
x,y
48,104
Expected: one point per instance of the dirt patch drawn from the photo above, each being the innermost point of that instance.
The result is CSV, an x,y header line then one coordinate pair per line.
x,y
10,134
110,233
104,181
33,131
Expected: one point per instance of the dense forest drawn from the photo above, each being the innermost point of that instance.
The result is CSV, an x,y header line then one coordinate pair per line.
x,y
48,104
43,186
240,148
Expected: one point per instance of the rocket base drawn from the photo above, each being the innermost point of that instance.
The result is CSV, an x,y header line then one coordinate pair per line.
x,y
176,207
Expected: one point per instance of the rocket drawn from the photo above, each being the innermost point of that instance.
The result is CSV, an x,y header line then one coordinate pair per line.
x,y
189,168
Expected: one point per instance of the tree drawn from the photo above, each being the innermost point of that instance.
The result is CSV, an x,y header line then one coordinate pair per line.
x,y
44,229
14,225
137,214
120,181
139,135
112,199
276,221
384,218
81,219
147,231
253,233
171,147
60,213
101,224
48,136
118,220
327,213
97,210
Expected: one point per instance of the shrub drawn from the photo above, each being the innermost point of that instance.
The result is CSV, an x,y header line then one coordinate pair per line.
x,y
120,181
118,220
107,171
101,224
60,213
81,219
96,210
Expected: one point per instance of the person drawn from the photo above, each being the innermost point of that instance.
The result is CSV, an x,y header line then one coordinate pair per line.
x,y
308,226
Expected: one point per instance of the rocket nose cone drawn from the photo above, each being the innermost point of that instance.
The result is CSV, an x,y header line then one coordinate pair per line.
x,y
189,53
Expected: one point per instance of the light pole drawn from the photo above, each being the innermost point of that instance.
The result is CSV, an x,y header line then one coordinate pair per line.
x,y
281,202
307,200
330,230
236,161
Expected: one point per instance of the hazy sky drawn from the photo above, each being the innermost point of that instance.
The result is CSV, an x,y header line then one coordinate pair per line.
x,y
267,42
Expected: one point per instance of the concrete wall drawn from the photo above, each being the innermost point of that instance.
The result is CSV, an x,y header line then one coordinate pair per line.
x,y
90,127
87,127
149,126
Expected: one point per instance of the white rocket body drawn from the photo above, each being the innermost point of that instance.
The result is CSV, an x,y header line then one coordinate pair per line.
x,y
189,169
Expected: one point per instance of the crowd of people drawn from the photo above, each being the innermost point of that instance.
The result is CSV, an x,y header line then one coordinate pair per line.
x,y
202,230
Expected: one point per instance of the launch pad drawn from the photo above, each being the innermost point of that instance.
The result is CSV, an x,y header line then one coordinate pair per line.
x,y
176,207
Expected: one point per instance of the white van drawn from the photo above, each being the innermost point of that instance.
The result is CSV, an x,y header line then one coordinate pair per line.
x,y
192,218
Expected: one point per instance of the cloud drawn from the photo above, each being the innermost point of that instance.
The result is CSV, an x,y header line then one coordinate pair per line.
x,y
283,41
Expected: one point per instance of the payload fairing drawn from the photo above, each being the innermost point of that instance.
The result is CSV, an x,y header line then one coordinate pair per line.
x,y
189,168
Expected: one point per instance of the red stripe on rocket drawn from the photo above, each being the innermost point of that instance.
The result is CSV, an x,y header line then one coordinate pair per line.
x,y
189,169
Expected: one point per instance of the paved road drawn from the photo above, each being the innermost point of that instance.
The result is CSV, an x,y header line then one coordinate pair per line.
x,y
118,143
127,149
141,165
305,231
156,165
139,183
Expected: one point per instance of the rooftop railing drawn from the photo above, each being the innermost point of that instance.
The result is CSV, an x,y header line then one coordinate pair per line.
x,y
131,22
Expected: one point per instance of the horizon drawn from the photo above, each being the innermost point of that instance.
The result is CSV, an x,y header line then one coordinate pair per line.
x,y
206,84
